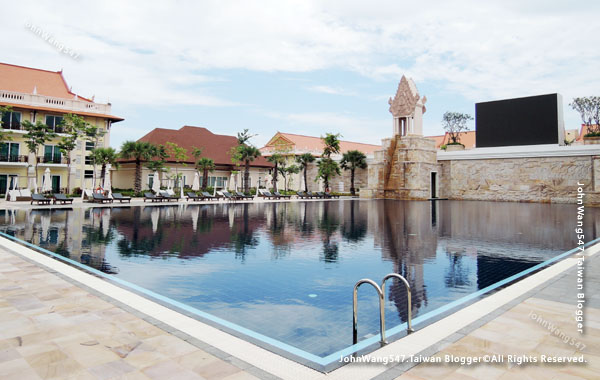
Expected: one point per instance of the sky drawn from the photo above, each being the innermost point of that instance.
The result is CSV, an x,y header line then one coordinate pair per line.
x,y
306,67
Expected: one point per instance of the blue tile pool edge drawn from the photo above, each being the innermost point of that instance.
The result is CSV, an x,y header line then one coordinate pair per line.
x,y
323,361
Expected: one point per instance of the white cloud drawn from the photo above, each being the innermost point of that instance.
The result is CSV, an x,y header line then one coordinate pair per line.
x,y
332,90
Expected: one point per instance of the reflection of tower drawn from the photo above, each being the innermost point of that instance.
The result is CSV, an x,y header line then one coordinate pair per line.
x,y
408,239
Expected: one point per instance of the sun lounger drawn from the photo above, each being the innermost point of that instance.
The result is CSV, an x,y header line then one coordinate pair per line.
x,y
278,194
40,199
312,195
151,197
229,196
208,196
99,198
165,195
119,197
303,195
63,199
194,197
25,195
242,195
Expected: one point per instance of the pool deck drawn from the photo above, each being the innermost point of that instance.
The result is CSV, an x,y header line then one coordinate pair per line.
x,y
58,322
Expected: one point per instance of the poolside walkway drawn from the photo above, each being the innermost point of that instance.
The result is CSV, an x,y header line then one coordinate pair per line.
x,y
51,328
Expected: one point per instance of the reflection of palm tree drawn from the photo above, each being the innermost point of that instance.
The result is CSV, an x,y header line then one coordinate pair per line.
x,y
243,237
328,225
357,229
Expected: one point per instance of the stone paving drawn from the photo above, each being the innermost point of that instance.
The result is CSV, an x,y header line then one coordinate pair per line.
x,y
52,329
518,332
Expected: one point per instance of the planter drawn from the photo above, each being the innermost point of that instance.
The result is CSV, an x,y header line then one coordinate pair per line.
x,y
454,147
593,140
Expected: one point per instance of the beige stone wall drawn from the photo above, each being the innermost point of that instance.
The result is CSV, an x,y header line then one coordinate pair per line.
x,y
533,179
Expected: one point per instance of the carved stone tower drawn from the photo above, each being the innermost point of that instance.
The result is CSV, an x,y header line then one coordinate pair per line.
x,y
406,167
407,108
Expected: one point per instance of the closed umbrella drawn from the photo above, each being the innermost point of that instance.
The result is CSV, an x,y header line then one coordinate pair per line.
x,y
32,185
154,215
195,214
156,183
45,225
105,221
106,185
46,182
196,183
231,182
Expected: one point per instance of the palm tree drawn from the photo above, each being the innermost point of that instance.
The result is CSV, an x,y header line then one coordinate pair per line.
x,y
139,151
327,169
103,157
275,159
246,154
352,160
332,144
303,160
206,165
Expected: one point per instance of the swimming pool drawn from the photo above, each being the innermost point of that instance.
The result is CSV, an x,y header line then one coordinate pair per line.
x,y
284,272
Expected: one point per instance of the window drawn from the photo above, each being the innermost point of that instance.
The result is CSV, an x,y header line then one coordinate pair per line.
x,y
54,123
9,152
89,145
218,181
88,174
11,120
88,160
150,180
52,154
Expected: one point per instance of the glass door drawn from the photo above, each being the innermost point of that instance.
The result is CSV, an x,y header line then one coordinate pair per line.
x,y
56,184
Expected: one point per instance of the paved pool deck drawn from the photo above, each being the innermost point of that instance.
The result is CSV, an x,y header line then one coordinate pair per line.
x,y
54,326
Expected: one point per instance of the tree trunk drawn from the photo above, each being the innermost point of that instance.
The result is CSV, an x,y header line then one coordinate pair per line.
x,y
352,190
247,177
69,172
204,179
102,175
275,174
326,181
305,182
137,187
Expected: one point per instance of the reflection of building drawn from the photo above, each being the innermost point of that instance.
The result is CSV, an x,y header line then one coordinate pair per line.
x,y
291,145
216,147
40,95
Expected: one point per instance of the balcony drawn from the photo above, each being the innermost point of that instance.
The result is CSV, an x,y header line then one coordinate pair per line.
x,y
18,127
53,159
13,158
49,102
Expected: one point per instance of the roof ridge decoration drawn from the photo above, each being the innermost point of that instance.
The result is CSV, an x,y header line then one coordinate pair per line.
x,y
407,98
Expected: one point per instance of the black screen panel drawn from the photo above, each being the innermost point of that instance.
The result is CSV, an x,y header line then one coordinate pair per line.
x,y
521,121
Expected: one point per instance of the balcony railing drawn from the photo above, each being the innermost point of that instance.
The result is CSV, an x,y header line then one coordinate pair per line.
x,y
48,159
47,101
18,127
12,158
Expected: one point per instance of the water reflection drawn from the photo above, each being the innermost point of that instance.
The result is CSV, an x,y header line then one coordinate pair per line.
x,y
287,270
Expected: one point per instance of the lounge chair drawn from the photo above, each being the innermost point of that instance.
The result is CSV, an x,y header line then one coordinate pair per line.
x,y
229,196
194,197
40,199
119,197
151,197
165,195
303,195
25,195
278,194
241,195
321,194
63,199
208,196
99,198
313,195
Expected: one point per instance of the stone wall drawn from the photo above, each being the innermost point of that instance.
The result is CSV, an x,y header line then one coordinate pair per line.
x,y
529,179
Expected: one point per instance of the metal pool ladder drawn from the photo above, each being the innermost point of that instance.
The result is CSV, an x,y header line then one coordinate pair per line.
x,y
381,293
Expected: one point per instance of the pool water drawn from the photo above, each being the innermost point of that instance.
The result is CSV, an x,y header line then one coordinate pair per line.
x,y
287,270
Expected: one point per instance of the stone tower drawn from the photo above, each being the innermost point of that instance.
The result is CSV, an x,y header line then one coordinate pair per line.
x,y
406,168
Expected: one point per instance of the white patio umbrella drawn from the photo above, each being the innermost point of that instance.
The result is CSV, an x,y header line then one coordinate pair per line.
x,y
32,185
181,188
268,180
196,183
45,226
107,185
156,182
154,215
232,183
46,181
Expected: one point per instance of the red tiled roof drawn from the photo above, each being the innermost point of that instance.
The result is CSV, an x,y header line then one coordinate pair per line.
x,y
583,132
466,138
216,147
315,144
25,79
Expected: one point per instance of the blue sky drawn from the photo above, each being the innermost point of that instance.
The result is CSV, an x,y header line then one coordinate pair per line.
x,y
306,67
